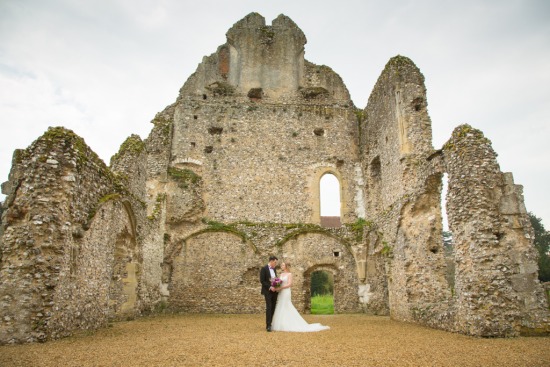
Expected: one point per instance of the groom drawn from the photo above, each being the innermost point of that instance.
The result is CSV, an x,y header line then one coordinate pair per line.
x,y
266,274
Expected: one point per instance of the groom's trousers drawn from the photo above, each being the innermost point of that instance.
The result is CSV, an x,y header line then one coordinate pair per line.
x,y
270,302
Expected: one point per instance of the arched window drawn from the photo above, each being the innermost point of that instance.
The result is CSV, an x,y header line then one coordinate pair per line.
x,y
330,200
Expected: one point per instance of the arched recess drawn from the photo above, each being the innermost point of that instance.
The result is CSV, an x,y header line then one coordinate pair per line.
x,y
105,262
311,251
212,272
175,248
127,261
319,171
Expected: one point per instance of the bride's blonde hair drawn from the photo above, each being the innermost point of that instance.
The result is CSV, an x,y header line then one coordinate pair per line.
x,y
287,265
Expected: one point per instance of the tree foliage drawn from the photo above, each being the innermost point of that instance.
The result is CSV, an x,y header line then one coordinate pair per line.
x,y
542,243
322,283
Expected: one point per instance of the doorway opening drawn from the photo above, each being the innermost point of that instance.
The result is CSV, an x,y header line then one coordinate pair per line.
x,y
322,293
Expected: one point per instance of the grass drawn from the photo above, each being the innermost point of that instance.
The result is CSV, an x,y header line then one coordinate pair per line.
x,y
322,304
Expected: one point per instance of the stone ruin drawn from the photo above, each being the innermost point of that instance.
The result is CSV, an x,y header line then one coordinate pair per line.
x,y
230,173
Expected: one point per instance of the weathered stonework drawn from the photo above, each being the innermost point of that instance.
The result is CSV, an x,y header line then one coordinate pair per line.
x,y
230,174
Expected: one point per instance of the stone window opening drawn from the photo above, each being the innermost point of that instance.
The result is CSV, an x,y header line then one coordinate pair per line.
x,y
329,200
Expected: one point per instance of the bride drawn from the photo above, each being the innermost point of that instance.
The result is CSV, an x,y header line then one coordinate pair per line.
x,y
286,317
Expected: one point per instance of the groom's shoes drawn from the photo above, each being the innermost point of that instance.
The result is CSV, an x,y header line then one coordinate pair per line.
x,y
268,328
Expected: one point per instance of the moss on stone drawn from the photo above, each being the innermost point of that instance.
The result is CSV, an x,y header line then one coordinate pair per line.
x,y
133,145
158,206
387,250
65,138
214,226
267,35
463,131
108,197
358,228
184,177
361,115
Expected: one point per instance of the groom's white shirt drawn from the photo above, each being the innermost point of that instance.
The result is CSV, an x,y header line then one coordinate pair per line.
x,y
271,272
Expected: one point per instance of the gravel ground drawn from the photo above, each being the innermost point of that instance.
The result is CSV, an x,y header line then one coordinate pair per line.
x,y
241,340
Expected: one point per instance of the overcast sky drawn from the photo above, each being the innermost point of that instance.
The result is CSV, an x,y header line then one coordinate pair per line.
x,y
104,68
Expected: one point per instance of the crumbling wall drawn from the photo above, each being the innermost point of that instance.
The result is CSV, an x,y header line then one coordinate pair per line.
x,y
230,175
55,187
496,285
133,165
100,274
403,195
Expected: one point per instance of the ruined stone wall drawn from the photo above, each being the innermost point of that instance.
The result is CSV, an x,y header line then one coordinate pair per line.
x,y
229,175
256,160
133,169
403,196
497,290
216,272
55,187
100,274
216,269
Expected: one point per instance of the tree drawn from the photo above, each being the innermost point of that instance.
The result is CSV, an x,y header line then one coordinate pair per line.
x,y
321,283
542,243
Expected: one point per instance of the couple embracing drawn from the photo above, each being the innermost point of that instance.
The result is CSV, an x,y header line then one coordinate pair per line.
x,y
280,313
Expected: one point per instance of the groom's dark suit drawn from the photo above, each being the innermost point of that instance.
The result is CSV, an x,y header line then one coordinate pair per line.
x,y
270,297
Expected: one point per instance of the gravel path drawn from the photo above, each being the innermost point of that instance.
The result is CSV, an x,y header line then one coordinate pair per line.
x,y
240,340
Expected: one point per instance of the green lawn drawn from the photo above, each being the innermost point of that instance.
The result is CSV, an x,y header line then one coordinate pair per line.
x,y
322,305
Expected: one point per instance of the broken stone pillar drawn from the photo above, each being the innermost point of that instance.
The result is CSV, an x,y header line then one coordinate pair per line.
x,y
497,291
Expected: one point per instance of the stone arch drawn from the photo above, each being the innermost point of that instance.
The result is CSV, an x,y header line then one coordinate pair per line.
x,y
211,271
315,250
174,249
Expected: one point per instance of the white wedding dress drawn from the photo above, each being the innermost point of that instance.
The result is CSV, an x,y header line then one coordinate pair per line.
x,y
286,317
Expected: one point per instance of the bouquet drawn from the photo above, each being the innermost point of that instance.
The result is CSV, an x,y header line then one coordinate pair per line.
x,y
276,282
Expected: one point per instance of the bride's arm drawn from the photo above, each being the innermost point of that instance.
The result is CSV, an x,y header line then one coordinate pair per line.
x,y
289,284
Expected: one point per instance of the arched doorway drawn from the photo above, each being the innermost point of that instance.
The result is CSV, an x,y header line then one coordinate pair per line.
x,y
322,293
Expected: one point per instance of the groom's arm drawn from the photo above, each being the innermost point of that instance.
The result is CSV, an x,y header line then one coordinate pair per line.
x,y
264,278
